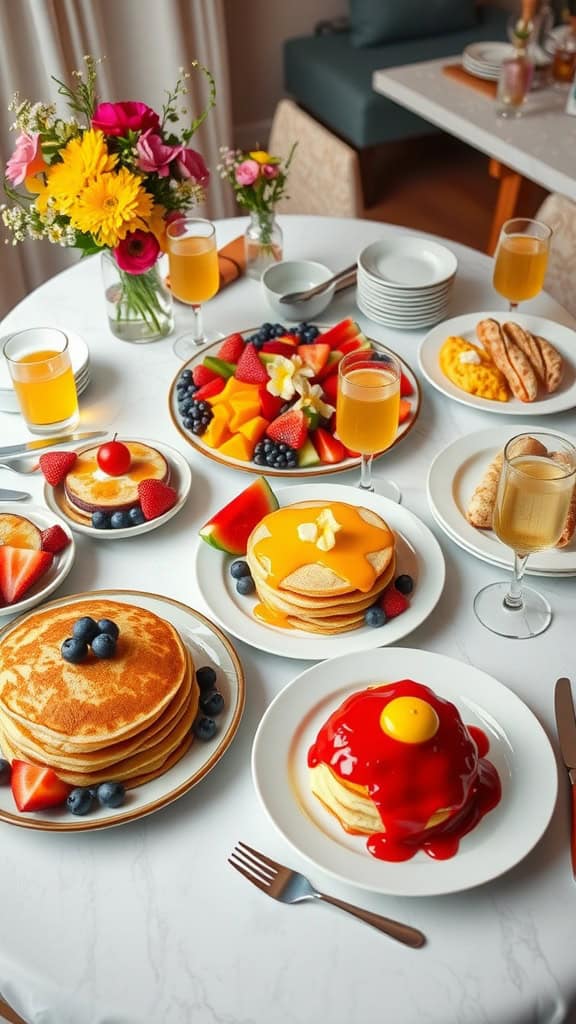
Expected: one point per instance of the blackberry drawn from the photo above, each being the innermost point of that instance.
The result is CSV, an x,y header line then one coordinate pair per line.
x,y
197,417
276,456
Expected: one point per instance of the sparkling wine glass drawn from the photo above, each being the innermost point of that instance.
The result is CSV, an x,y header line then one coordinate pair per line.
x,y
521,260
194,274
367,409
534,495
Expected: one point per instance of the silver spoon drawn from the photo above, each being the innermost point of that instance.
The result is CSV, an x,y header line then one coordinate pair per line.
x,y
319,288
27,464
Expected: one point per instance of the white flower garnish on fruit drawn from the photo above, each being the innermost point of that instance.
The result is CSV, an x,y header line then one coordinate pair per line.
x,y
286,376
311,398
322,531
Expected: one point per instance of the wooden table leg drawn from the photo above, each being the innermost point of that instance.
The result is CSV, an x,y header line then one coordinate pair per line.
x,y
8,1014
510,182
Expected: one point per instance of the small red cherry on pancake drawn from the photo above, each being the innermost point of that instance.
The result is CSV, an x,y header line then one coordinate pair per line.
x,y
114,457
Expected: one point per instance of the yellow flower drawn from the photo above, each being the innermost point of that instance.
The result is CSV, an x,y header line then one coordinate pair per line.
x,y
83,158
262,157
157,225
110,206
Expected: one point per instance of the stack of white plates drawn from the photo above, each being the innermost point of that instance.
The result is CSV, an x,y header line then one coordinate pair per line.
x,y
80,358
484,60
405,283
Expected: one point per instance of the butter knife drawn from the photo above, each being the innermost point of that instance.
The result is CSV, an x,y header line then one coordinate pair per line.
x,y
13,451
6,495
566,726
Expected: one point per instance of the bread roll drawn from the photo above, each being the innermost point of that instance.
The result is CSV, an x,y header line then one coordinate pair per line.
x,y
510,360
570,524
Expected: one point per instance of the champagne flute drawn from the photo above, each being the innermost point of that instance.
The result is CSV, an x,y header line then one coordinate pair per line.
x,y
534,494
521,260
194,273
367,409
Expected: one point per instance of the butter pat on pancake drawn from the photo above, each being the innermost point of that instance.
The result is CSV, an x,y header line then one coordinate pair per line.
x,y
470,368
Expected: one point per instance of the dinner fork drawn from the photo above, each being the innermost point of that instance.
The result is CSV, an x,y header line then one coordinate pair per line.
x,y
289,886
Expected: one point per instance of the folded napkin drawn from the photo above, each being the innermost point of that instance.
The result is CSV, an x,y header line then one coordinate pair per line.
x,y
231,263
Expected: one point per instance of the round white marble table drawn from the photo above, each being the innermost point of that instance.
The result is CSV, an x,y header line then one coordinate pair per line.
x,y
147,924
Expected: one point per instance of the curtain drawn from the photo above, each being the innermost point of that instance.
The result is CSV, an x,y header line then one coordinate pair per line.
x,y
144,43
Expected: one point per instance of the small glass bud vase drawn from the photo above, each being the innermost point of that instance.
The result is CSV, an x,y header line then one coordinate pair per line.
x,y
515,81
263,243
139,306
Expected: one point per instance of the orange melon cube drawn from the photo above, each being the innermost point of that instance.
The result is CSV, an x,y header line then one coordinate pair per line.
x,y
217,431
243,408
237,447
253,429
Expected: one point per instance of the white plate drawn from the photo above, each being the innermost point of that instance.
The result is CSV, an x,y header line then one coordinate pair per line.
x,y
404,294
393,305
411,263
419,554
563,338
209,647
180,479
519,749
488,53
403,323
452,478
61,563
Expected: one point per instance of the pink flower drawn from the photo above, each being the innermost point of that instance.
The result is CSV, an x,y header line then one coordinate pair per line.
x,y
26,159
247,172
270,170
190,164
137,252
154,155
120,118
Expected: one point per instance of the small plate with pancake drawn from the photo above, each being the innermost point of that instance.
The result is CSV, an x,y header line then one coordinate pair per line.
x,y
561,337
180,477
61,563
417,553
518,748
456,472
204,643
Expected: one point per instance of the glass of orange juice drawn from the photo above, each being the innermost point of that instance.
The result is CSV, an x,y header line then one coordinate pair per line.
x,y
39,364
367,409
194,273
521,259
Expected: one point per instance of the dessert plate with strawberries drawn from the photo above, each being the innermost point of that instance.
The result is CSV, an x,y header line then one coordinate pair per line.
x,y
118,489
36,554
263,400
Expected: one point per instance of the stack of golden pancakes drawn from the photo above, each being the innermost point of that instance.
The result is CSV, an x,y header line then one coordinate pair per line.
x,y
312,576
125,719
89,489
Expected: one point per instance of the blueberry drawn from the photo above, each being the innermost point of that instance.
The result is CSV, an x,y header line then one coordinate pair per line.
x,y
74,650
100,520
5,771
212,702
239,568
375,616
80,801
119,520
404,583
85,629
204,728
107,626
136,516
111,794
104,645
186,376
206,677
245,586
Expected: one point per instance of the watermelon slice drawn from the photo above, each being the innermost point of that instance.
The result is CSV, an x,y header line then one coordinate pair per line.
x,y
341,332
230,528
315,356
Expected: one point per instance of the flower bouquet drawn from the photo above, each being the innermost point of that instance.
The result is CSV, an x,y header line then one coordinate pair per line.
x,y
259,181
108,178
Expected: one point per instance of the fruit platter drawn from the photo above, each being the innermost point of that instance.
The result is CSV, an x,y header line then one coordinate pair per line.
x,y
264,400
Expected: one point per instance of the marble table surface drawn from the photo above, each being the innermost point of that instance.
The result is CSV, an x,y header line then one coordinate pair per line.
x,y
147,923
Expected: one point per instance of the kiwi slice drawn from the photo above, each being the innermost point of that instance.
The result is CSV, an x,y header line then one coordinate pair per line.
x,y
19,532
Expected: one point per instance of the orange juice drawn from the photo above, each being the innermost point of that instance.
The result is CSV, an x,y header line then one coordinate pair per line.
x,y
367,409
520,267
194,274
46,389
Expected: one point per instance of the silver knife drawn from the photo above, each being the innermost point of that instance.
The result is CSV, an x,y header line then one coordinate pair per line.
x,y
12,451
6,495
566,726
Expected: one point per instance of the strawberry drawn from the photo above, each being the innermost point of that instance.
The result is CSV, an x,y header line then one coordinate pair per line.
x,y
330,388
404,411
232,348
329,448
55,465
213,387
54,539
405,386
35,787
202,375
19,569
249,368
270,405
290,428
393,603
278,348
156,498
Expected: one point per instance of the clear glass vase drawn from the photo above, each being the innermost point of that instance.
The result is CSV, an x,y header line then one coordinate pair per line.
x,y
139,306
263,243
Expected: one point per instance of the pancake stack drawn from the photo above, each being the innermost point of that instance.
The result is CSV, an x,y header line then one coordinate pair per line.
x,y
302,586
126,719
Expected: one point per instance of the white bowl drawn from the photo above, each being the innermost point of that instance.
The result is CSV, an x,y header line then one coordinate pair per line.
x,y
296,276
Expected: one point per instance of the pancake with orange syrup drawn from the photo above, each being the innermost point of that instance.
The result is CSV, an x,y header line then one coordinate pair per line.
x,y
320,564
396,763
89,489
